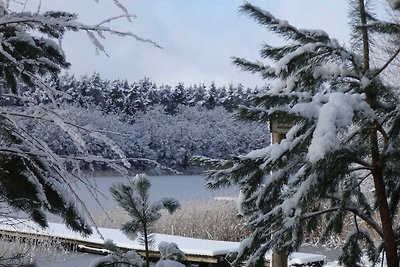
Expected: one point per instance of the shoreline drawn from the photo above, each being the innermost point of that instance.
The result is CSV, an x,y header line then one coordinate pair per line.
x,y
110,173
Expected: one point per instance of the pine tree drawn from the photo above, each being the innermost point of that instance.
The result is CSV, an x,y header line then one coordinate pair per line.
x,y
344,142
134,100
178,98
134,198
210,100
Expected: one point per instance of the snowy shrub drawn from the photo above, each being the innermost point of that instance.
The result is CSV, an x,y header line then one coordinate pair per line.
x,y
170,251
118,258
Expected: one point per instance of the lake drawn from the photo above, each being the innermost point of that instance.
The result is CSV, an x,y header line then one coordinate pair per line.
x,y
181,187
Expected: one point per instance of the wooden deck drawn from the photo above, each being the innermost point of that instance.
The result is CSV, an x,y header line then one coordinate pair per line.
x,y
202,253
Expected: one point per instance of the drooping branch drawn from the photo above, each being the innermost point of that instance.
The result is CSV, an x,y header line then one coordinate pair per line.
x,y
362,216
36,20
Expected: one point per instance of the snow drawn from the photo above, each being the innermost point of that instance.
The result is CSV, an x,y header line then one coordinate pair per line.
x,y
113,146
283,23
292,203
331,70
190,246
365,81
131,257
259,153
100,260
365,263
314,32
169,263
303,258
309,110
170,251
333,116
283,62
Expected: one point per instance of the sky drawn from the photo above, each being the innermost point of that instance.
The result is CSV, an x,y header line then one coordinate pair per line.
x,y
198,37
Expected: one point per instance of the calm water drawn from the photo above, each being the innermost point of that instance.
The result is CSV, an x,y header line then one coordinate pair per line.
x,y
181,187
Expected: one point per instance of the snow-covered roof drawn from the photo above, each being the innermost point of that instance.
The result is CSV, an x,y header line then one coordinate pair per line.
x,y
190,246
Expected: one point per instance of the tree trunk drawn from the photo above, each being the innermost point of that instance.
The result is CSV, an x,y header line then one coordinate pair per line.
x,y
388,233
377,172
146,245
279,259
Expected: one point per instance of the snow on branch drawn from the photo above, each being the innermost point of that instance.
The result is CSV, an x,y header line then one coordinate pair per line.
x,y
61,21
30,50
282,27
336,114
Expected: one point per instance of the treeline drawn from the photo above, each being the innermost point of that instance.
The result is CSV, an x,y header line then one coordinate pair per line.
x,y
155,136
151,123
122,97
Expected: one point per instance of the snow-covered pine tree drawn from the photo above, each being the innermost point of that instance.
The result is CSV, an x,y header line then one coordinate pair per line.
x,y
33,178
344,142
134,198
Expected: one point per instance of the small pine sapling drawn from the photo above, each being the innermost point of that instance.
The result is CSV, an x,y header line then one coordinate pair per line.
x,y
134,198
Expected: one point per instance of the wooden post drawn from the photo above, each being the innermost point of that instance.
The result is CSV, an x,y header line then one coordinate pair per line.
x,y
276,138
279,259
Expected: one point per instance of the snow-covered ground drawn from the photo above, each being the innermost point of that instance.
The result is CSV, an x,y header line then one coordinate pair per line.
x,y
83,260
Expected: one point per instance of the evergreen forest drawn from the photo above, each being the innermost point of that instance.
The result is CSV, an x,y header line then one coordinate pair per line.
x,y
159,128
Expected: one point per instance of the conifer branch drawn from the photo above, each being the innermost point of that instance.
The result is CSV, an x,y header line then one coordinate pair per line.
x,y
283,27
370,221
360,169
363,163
318,213
67,23
386,64
363,179
118,263
367,219
382,131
